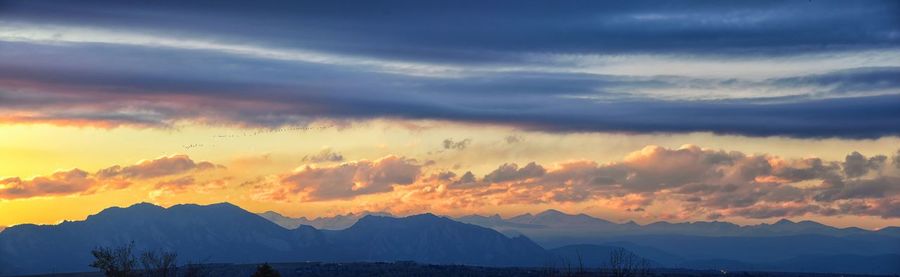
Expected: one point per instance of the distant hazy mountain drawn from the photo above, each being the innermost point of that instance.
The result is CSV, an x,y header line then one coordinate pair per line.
x,y
324,223
557,219
709,245
553,222
226,233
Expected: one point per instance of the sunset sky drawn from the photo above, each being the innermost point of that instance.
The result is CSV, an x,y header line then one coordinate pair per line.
x,y
685,111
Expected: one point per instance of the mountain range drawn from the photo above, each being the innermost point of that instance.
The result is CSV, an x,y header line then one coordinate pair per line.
x,y
556,222
224,233
784,245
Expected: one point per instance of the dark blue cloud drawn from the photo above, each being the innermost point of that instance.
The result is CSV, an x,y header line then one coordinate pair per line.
x,y
497,31
492,52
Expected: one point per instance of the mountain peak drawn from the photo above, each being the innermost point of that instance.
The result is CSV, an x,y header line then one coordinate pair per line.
x,y
218,205
271,213
784,221
425,215
551,212
142,208
382,221
143,205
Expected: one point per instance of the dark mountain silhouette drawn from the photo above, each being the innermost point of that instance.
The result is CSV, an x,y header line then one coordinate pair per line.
x,y
432,239
227,233
214,233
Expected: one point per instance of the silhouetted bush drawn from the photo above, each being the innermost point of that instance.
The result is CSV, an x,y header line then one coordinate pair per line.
x,y
626,264
159,264
115,262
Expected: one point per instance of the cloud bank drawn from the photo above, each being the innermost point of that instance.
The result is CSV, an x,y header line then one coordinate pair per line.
x,y
798,69
80,182
697,182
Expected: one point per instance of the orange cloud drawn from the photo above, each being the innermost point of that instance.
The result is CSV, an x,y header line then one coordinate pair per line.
x,y
163,166
77,181
59,183
702,182
351,179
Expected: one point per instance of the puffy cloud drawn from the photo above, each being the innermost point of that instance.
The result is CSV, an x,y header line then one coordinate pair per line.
x,y
59,183
856,164
326,155
449,144
77,181
351,179
690,181
467,180
163,166
880,187
512,172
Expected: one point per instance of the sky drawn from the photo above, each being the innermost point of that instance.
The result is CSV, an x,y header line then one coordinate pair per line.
x,y
739,111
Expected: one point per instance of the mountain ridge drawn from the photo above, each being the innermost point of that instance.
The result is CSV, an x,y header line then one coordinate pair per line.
x,y
226,233
552,218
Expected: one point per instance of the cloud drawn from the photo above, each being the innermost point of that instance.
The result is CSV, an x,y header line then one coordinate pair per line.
x,y
689,181
326,155
451,32
856,164
896,159
449,144
511,139
512,172
617,67
350,179
59,183
163,166
78,182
